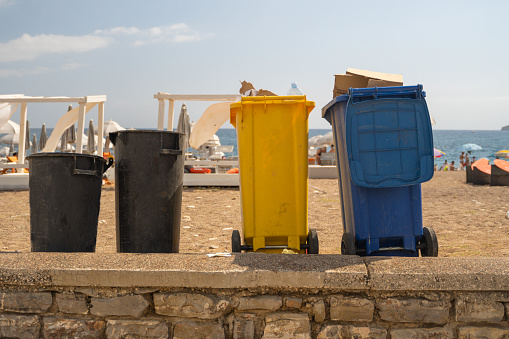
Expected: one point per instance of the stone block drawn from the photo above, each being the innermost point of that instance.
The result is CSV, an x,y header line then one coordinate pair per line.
x,y
130,305
72,303
319,311
349,331
414,310
191,305
198,330
244,327
73,328
287,325
120,329
262,303
38,302
351,309
471,311
293,302
418,333
19,326
471,332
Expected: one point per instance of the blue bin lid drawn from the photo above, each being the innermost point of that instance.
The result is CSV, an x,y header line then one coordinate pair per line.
x,y
388,135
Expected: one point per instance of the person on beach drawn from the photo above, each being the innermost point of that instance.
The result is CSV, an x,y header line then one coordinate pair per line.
x,y
452,167
318,155
445,166
467,161
473,160
331,149
462,157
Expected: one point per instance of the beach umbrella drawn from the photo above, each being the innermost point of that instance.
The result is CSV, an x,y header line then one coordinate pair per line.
x,y
11,148
33,148
502,153
470,147
10,138
91,139
27,140
211,120
184,125
63,142
4,151
327,139
313,140
10,127
437,153
43,138
111,126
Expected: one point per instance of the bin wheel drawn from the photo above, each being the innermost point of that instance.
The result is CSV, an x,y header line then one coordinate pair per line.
x,y
313,247
348,244
236,242
429,239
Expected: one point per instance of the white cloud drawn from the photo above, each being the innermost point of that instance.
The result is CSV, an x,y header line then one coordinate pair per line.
x,y
72,65
29,47
7,73
5,3
176,33
118,31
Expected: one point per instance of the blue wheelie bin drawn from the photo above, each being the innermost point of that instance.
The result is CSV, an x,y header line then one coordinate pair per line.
x,y
384,151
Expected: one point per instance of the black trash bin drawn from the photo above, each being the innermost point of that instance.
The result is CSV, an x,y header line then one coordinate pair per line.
x,y
65,193
149,174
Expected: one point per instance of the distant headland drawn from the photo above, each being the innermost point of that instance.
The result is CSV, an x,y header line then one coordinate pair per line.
x,y
505,128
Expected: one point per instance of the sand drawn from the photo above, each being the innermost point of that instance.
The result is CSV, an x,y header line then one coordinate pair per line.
x,y
469,220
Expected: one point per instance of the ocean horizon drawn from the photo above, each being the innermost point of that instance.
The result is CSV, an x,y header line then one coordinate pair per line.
x,y
448,141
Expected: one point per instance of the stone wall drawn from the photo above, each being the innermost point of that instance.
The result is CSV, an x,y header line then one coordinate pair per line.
x,y
251,296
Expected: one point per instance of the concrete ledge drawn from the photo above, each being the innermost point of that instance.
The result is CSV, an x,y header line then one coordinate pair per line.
x,y
438,274
247,270
254,271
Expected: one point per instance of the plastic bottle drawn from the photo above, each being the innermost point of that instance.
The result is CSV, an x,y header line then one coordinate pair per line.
x,y
294,90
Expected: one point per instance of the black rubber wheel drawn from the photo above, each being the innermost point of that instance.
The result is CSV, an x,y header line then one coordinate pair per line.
x,y
313,242
429,239
236,242
348,244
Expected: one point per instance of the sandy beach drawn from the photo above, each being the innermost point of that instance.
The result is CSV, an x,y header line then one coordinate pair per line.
x,y
469,220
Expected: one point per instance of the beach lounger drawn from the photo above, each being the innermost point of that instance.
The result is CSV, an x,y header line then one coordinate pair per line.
x,y
481,175
500,173
469,174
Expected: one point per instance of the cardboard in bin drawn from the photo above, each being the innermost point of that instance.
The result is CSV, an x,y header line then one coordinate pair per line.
x,y
358,78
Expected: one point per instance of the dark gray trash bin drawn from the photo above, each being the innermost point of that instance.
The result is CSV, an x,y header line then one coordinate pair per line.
x,y
149,174
65,193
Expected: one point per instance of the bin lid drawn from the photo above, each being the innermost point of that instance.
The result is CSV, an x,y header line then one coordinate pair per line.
x,y
388,135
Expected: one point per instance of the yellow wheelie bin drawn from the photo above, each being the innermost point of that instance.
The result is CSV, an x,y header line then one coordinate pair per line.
x,y
272,140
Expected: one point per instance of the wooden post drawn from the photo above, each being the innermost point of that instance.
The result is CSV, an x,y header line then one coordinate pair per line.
x,y
171,104
81,128
160,115
22,136
100,129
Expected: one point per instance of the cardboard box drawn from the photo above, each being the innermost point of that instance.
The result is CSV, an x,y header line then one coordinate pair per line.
x,y
376,75
383,83
344,81
357,78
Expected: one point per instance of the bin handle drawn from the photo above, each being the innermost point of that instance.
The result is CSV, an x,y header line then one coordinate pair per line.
x,y
94,173
170,151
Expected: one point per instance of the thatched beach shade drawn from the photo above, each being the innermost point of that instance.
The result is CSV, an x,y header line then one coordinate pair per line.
x,y
91,139
33,148
184,125
27,136
43,138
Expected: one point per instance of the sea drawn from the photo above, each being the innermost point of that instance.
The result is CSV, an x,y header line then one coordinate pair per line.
x,y
448,141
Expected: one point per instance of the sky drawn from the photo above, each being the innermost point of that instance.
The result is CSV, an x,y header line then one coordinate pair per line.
x,y
130,50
